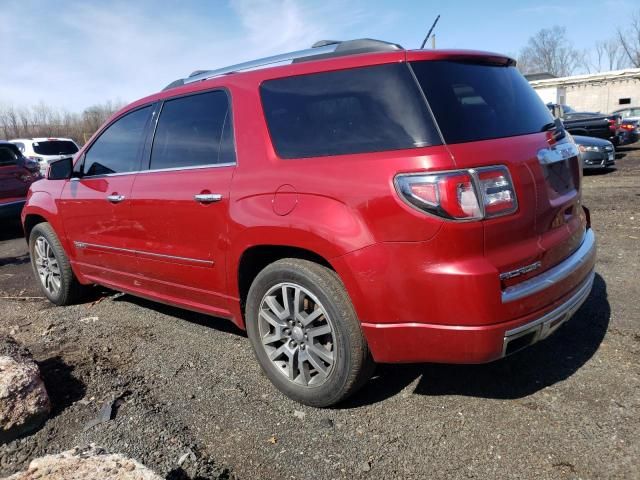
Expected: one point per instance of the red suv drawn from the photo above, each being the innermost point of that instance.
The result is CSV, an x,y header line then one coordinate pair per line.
x,y
361,203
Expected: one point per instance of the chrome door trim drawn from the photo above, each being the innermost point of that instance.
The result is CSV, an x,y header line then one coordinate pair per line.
x,y
551,277
194,167
172,169
143,253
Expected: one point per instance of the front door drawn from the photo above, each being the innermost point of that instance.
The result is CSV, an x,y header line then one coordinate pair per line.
x,y
180,204
96,206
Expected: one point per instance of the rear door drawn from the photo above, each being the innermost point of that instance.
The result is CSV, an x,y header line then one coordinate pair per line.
x,y
489,115
180,204
96,208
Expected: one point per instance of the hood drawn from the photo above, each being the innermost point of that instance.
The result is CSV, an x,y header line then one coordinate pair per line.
x,y
597,142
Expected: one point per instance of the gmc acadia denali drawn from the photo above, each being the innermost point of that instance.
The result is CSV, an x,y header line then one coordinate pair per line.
x,y
348,204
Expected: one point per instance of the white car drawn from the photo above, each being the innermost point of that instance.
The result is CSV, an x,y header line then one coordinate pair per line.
x,y
629,113
46,150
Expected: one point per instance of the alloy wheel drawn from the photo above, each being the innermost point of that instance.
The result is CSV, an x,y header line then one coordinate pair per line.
x,y
297,334
47,266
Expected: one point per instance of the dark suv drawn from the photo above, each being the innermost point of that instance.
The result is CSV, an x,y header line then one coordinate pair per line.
x,y
348,204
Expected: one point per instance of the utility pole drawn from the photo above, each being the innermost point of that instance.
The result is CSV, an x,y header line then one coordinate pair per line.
x,y
433,41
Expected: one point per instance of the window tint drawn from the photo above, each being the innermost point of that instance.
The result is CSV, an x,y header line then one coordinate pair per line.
x,y
194,131
9,155
478,102
117,149
350,111
55,147
20,146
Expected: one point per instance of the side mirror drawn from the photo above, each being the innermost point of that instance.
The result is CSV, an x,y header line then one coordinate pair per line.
x,y
60,169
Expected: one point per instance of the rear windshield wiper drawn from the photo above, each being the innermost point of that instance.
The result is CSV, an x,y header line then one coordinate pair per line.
x,y
556,125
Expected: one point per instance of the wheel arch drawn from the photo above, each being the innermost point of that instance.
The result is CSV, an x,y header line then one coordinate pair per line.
x,y
256,257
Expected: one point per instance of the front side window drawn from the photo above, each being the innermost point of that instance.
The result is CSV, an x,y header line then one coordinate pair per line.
x,y
9,155
194,131
358,110
117,150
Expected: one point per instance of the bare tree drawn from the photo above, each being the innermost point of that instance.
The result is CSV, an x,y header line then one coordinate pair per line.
x,y
607,55
42,120
550,51
630,40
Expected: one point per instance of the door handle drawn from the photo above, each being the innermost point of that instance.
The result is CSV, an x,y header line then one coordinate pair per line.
x,y
115,198
207,197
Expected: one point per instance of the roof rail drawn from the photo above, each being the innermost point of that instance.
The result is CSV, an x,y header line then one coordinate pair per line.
x,y
319,50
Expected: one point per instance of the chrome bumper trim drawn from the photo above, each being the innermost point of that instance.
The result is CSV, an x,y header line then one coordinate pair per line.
x,y
547,324
584,254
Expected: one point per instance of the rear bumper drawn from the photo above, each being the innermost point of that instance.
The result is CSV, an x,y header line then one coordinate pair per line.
x,y
414,342
419,342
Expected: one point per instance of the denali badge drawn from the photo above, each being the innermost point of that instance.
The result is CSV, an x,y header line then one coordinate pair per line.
x,y
520,271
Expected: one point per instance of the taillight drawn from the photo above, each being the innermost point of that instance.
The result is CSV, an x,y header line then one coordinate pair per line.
x,y
627,126
471,194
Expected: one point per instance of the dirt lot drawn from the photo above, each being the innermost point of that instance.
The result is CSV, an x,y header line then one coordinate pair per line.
x,y
188,387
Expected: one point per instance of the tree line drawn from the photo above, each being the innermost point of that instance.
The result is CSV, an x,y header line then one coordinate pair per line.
x,y
550,51
42,120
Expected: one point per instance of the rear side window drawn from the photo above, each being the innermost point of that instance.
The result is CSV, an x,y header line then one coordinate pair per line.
x,y
479,102
9,155
117,150
349,111
55,147
194,131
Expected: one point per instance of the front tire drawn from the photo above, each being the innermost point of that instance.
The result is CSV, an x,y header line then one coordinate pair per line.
x,y
51,266
305,333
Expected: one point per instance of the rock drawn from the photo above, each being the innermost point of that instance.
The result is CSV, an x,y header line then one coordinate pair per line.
x,y
299,414
90,463
366,466
326,423
24,403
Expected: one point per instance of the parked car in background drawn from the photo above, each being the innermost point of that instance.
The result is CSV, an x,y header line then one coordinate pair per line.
x,y
587,123
629,113
324,206
630,132
595,152
46,150
17,173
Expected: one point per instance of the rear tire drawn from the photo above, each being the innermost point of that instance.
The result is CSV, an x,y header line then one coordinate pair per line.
x,y
305,333
51,266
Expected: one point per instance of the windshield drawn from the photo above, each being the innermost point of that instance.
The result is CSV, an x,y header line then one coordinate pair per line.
x,y
55,147
473,101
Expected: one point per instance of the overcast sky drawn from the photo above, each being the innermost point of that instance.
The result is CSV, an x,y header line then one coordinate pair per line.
x,y
72,53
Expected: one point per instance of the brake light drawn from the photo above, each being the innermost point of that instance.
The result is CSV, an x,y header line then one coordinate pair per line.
x,y
471,194
627,126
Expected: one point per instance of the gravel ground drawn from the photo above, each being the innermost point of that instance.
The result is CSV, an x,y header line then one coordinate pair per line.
x,y
182,393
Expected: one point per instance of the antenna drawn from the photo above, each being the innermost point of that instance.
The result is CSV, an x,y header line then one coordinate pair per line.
x,y
424,42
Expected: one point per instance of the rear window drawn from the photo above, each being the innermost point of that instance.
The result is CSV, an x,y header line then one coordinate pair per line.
x,y
348,111
478,102
55,147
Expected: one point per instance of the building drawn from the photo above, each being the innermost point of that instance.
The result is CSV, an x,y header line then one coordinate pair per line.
x,y
595,92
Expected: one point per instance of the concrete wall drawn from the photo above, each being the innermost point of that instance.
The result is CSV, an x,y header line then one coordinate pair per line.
x,y
603,97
